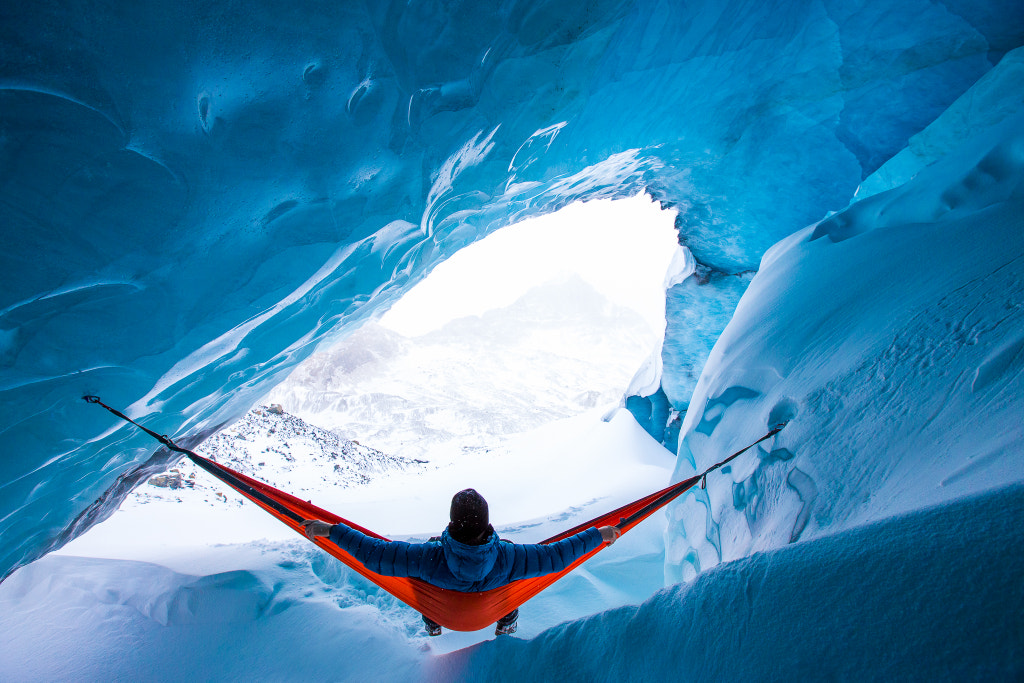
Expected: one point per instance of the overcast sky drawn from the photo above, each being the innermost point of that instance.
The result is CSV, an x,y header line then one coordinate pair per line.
x,y
623,248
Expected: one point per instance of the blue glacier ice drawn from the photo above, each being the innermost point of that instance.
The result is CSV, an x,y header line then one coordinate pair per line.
x,y
194,197
893,331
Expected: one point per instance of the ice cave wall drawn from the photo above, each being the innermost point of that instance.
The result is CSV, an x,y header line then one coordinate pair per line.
x,y
890,337
192,196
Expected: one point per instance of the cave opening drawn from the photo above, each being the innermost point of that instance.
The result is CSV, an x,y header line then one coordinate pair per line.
x,y
500,362
505,369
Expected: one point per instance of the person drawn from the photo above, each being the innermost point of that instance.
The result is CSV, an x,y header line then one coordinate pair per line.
x,y
467,557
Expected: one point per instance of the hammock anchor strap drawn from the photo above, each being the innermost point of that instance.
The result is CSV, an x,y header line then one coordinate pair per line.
x,y
202,462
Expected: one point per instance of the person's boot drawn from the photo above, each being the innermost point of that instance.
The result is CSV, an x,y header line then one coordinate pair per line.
x,y
433,628
506,626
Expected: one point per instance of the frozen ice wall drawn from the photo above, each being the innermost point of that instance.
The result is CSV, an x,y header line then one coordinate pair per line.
x,y
194,196
890,336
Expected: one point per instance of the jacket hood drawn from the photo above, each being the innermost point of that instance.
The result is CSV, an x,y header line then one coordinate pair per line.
x,y
470,562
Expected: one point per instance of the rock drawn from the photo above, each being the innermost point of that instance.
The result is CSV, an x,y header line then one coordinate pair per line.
x,y
171,480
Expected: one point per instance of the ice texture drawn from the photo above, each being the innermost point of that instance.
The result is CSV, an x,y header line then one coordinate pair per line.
x,y
989,101
194,197
889,337
696,311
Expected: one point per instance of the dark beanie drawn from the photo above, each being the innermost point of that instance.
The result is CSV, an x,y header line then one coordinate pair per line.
x,y
470,524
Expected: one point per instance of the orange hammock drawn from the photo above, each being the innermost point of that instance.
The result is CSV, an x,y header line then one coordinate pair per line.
x,y
454,610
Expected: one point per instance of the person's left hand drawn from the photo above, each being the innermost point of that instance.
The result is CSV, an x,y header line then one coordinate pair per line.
x,y
315,527
610,534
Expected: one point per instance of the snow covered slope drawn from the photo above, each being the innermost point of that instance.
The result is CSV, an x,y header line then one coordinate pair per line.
x,y
275,445
931,595
177,511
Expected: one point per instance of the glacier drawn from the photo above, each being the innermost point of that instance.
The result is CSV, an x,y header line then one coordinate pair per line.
x,y
195,198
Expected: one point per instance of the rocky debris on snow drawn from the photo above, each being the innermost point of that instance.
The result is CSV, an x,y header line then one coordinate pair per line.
x,y
172,480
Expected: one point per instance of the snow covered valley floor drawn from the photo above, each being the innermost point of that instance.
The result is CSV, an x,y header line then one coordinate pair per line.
x,y
931,595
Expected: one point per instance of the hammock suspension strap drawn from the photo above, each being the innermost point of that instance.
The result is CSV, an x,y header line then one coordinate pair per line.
x,y
223,474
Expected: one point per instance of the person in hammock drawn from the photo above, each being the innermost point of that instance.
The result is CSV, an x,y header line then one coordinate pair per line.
x,y
467,557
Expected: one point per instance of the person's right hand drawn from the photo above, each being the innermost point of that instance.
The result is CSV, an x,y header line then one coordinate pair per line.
x,y
610,534
315,527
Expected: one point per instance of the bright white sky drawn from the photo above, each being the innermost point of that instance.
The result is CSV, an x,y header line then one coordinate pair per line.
x,y
622,247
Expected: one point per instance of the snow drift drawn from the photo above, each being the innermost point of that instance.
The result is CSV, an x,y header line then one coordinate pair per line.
x,y
890,335
932,595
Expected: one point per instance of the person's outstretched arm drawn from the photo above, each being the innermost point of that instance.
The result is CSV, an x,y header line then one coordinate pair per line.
x,y
545,558
387,558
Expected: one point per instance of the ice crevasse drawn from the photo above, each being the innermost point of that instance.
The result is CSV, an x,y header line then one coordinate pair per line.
x,y
193,198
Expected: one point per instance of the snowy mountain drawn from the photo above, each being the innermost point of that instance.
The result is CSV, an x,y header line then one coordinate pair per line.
x,y
273,446
559,350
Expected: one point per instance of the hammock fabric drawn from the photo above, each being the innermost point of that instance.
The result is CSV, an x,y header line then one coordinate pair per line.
x,y
454,610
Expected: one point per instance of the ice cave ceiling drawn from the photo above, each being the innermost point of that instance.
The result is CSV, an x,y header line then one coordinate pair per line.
x,y
194,194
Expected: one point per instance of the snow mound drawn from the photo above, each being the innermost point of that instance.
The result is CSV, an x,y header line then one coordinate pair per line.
x,y
128,620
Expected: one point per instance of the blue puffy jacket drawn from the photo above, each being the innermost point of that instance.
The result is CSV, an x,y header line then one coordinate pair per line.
x,y
467,568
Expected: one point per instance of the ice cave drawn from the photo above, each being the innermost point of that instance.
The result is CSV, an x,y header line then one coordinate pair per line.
x,y
197,197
